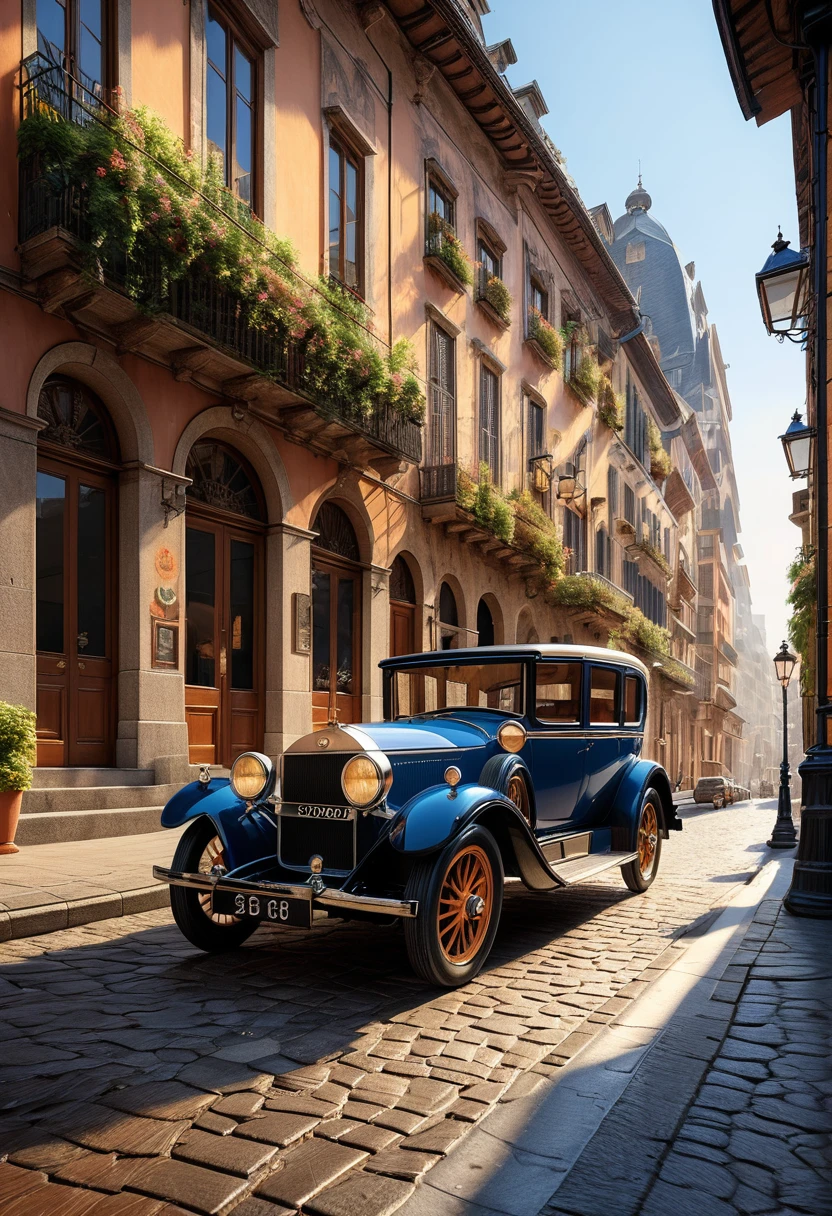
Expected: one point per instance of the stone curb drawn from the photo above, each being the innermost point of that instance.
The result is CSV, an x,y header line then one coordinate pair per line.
x,y
69,914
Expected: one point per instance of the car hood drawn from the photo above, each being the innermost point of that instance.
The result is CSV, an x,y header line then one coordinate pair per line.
x,y
429,734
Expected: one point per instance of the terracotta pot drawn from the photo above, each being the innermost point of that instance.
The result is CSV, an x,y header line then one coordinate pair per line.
x,y
10,802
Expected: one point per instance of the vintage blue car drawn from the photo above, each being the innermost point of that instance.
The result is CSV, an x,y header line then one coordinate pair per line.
x,y
491,763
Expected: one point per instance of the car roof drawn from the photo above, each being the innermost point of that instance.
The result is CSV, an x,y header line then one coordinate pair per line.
x,y
529,650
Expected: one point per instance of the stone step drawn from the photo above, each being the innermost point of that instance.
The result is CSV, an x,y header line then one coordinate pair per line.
x,y
73,778
54,827
96,798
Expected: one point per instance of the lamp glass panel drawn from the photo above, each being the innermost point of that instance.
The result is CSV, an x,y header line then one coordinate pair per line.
x,y
781,293
798,454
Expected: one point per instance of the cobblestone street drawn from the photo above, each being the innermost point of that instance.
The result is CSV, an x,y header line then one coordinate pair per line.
x,y
311,1070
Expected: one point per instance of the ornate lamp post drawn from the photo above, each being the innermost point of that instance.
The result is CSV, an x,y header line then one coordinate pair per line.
x,y
783,291
798,445
784,835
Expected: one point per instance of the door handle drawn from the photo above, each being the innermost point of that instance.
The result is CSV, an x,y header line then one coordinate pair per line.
x,y
581,750
82,667
61,664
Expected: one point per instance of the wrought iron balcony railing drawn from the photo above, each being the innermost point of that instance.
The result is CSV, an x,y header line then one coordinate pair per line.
x,y
50,202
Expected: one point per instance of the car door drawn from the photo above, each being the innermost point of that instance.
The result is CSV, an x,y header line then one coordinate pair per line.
x,y
558,740
603,758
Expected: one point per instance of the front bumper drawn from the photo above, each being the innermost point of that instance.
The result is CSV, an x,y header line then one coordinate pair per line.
x,y
328,897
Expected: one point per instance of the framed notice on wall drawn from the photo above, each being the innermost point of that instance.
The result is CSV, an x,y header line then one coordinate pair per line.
x,y
165,644
303,622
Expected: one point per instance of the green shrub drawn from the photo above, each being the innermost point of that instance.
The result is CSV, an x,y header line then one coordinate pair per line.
x,y
445,244
485,502
579,591
660,464
150,210
644,633
656,554
610,407
536,534
802,600
498,296
547,337
586,377
18,747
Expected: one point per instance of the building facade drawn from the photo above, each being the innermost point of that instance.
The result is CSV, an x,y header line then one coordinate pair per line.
x,y
214,526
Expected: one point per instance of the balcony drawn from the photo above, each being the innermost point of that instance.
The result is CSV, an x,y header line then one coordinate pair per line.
x,y
492,297
444,255
195,325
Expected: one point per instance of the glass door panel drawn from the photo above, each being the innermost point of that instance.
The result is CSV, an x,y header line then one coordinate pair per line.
x,y
200,608
49,547
345,638
321,641
91,637
241,634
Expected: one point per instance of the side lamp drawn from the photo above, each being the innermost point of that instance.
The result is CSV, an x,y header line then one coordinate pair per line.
x,y
797,443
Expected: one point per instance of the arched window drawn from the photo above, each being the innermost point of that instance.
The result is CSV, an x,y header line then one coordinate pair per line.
x,y
448,619
336,618
76,419
485,624
220,479
402,588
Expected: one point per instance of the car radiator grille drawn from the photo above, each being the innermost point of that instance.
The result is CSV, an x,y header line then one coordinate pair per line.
x,y
301,838
314,778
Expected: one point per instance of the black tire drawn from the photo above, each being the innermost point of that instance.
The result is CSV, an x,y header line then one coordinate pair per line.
x,y
434,954
192,909
639,874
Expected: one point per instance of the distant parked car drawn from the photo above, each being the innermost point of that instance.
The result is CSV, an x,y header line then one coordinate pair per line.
x,y
720,791
519,761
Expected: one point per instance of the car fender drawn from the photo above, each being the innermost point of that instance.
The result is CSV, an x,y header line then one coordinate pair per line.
x,y
432,818
498,771
246,837
623,820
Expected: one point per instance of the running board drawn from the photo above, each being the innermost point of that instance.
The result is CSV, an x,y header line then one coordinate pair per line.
x,y
579,869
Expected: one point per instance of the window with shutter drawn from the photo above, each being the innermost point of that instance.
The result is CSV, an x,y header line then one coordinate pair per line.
x,y
442,418
489,421
629,505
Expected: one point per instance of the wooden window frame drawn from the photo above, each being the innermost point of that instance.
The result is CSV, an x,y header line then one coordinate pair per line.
x,y
72,39
536,286
348,149
236,35
433,382
437,179
488,368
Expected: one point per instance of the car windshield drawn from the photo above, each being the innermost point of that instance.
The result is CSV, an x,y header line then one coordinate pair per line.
x,y
441,689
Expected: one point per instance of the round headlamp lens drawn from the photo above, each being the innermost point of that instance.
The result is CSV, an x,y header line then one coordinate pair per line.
x,y
249,775
362,781
512,736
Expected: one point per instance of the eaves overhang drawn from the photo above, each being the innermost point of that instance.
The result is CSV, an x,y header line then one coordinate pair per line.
x,y
764,69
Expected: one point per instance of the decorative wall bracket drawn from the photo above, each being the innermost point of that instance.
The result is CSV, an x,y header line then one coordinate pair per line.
x,y
173,499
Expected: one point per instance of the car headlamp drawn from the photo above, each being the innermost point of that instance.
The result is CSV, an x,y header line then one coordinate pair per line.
x,y
366,779
512,736
251,776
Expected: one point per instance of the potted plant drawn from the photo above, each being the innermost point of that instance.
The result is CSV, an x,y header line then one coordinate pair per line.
x,y
17,755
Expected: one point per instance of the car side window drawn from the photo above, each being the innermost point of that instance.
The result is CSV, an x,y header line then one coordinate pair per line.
x,y
632,701
603,696
558,693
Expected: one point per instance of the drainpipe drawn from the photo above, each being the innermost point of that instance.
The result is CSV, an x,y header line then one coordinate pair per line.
x,y
386,67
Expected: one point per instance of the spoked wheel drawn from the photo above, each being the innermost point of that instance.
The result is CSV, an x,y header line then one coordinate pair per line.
x,y
518,792
197,852
460,897
639,874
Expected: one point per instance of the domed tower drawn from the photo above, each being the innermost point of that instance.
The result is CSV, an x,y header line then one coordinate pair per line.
x,y
663,287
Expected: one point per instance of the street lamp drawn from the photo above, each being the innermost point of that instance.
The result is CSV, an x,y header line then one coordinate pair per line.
x,y
783,289
784,836
569,489
797,444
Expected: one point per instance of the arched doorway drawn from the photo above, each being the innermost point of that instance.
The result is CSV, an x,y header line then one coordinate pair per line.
x,y
336,618
526,631
403,631
485,625
75,575
224,605
448,619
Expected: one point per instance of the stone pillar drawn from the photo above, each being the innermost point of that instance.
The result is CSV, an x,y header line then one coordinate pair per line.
x,y
376,641
151,698
288,664
18,473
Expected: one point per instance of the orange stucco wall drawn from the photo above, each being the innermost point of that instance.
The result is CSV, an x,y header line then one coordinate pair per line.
x,y
161,61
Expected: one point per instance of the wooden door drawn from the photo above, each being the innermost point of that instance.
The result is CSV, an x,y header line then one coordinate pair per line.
x,y
402,629
75,614
224,640
336,645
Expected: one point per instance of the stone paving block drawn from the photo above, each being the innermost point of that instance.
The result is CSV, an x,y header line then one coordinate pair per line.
x,y
330,1092
278,1128
100,1171
342,1074
261,1207
111,1131
468,1112
334,1129
218,1124
382,1082
159,1100
37,1150
370,1137
233,1155
406,1068
201,1190
365,1112
704,1177
399,1121
15,1182
361,1195
399,1163
520,1087
302,1104
126,1204
223,1076
308,1169
238,1106
437,1139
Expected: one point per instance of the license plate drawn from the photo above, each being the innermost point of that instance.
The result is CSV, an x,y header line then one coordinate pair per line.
x,y
274,908
310,810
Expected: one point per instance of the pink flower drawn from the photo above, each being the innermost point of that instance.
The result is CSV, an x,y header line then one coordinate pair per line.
x,y
262,296
117,161
165,202
154,215
101,171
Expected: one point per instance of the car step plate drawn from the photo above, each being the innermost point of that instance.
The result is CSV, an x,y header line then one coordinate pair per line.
x,y
582,868
273,909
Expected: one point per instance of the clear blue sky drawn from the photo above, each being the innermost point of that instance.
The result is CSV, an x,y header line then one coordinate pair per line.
x,y
647,80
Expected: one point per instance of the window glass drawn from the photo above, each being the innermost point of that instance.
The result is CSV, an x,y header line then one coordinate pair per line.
x,y
632,701
351,225
217,117
558,692
334,209
230,120
242,614
489,261
439,204
200,604
539,299
346,597
92,571
321,600
603,691
495,686
49,556
51,17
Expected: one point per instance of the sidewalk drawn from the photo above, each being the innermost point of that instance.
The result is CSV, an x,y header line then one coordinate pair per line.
x,y
709,1095
57,886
